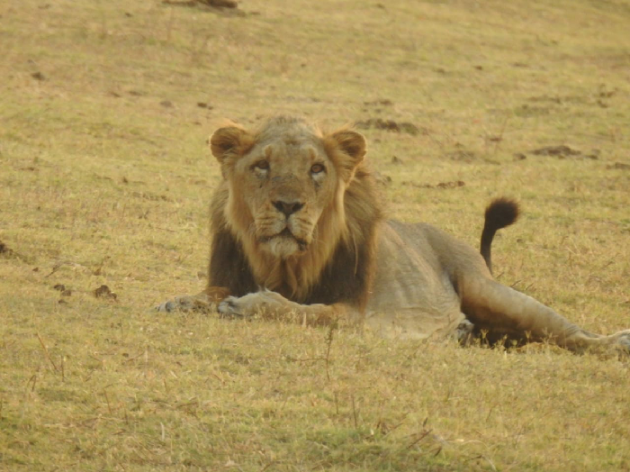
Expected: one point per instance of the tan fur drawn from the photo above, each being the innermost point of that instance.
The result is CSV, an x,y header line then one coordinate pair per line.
x,y
292,241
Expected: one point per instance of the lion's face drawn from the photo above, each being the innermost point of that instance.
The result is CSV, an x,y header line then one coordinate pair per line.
x,y
284,186
284,180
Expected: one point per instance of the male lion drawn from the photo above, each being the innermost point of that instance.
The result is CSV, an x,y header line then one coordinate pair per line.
x,y
298,230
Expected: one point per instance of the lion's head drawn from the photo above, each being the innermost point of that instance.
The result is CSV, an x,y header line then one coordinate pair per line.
x,y
284,196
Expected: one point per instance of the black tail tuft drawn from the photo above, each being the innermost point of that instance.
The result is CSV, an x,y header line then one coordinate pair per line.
x,y
500,213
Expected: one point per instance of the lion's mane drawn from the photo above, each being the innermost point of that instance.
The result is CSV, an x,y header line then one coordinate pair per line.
x,y
337,267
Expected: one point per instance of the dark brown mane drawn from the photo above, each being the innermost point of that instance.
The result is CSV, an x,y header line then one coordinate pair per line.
x,y
229,267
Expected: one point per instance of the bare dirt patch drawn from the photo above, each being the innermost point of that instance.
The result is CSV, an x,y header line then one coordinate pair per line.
x,y
563,151
389,125
619,166
104,292
441,185
208,3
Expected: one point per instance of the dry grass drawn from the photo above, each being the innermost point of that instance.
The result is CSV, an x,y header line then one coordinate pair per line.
x,y
104,180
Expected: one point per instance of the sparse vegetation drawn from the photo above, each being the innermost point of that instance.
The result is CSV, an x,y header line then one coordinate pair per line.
x,y
104,182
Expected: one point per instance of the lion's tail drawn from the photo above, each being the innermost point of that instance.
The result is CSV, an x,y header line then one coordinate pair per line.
x,y
500,213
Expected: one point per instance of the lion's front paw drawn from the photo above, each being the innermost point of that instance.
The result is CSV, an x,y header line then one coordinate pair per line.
x,y
231,308
186,303
265,304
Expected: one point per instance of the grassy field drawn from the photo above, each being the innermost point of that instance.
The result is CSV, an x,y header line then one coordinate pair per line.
x,y
105,107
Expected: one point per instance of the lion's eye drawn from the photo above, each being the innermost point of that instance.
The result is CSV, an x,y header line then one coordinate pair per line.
x,y
317,169
262,165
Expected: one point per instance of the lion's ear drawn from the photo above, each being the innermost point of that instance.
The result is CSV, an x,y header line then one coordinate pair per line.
x,y
347,148
230,141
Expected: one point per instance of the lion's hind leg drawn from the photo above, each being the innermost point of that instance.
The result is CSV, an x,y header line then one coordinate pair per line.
x,y
501,310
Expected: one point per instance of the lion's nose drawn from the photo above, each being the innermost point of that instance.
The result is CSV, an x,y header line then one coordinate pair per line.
x,y
288,208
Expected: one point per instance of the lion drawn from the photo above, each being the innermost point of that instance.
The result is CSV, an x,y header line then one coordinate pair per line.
x,y
298,232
